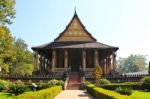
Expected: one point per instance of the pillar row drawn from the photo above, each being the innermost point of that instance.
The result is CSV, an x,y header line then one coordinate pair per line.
x,y
53,59
84,59
96,58
66,59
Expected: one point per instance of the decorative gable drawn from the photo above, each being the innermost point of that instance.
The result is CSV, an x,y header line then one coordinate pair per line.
x,y
75,31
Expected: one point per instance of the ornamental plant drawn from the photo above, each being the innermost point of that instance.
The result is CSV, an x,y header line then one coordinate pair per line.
x,y
124,90
145,83
16,87
97,73
104,81
3,85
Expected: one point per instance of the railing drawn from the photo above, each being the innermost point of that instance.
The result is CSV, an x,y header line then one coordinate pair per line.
x,y
122,78
113,78
59,76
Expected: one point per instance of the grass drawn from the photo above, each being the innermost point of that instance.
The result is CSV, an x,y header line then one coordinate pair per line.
x,y
141,95
4,95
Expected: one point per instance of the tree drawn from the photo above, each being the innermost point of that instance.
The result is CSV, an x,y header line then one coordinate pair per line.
x,y
7,52
23,69
133,63
23,64
7,11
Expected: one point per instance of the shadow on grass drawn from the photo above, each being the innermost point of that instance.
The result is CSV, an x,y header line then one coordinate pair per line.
x,y
4,95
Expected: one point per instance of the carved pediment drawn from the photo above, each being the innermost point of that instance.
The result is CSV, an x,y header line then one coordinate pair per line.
x,y
75,31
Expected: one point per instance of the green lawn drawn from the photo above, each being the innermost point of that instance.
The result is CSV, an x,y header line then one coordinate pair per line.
x,y
6,96
141,95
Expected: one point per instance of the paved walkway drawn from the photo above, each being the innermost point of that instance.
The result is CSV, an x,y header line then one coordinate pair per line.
x,y
73,94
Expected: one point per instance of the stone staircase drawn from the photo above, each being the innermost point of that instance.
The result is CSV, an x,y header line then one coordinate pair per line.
x,y
74,81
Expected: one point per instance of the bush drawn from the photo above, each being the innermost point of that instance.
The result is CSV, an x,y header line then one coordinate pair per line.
x,y
56,82
104,82
132,85
48,93
87,83
124,90
60,83
42,86
16,87
3,85
145,83
100,93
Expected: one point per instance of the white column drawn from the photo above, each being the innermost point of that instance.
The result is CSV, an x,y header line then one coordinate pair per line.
x,y
53,59
96,58
36,64
109,64
66,59
84,59
105,68
114,60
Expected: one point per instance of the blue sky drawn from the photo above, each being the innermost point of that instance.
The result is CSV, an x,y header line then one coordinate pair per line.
x,y
121,23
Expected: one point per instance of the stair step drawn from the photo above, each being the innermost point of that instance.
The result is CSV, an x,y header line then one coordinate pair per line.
x,y
74,81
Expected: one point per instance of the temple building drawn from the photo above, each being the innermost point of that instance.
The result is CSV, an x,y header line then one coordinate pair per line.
x,y
74,49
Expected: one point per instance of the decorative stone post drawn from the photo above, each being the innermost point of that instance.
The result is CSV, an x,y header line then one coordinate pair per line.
x,y
66,59
53,59
84,59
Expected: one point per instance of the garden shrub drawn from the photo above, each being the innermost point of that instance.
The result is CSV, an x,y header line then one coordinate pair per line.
x,y
124,90
104,81
54,82
145,83
48,93
42,86
132,85
60,83
4,85
87,83
100,93
16,87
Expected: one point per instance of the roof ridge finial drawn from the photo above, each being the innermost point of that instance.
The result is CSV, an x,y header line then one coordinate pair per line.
x,y
75,10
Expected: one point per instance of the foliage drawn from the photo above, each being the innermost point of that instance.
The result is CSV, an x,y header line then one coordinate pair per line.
x,y
14,55
141,94
100,93
54,82
17,87
124,90
48,93
3,85
43,86
24,63
23,69
7,11
133,63
4,95
145,83
7,52
104,81
133,85
97,73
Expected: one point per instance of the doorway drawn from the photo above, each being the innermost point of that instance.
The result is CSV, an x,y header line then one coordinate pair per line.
x,y
75,59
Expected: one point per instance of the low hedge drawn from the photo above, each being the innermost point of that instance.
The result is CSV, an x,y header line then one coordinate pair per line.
x,y
100,93
48,93
132,85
